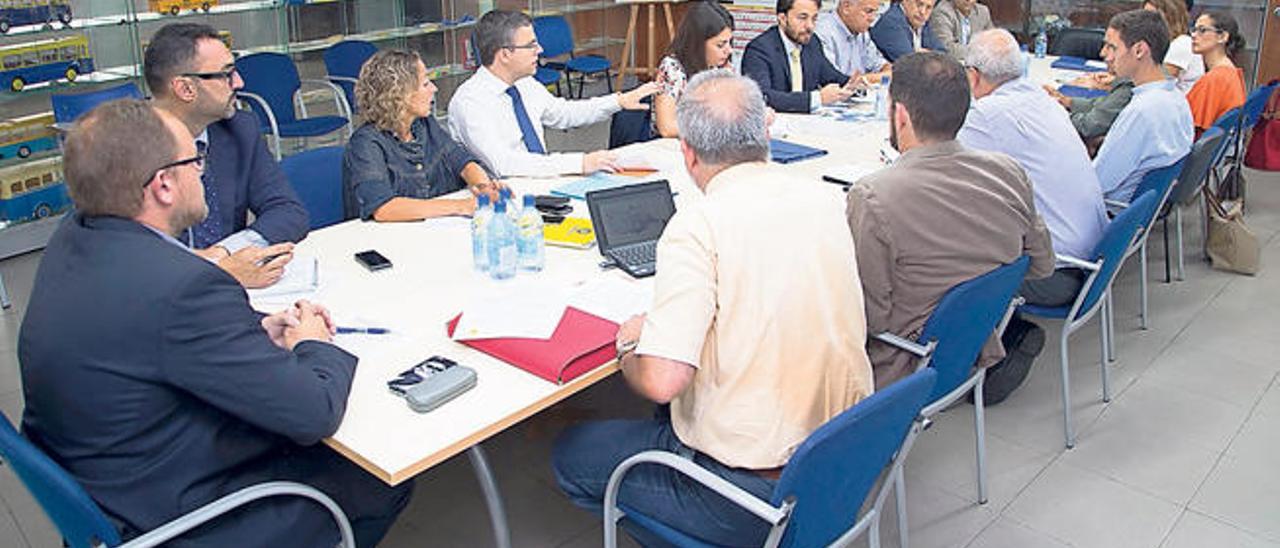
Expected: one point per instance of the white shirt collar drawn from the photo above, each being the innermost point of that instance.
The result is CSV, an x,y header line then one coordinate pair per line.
x,y
787,43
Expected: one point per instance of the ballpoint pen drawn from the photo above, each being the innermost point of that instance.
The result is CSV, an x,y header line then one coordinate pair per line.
x,y
363,330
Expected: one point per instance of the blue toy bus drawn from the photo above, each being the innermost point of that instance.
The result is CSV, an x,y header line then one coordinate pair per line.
x,y
14,13
33,190
22,137
44,61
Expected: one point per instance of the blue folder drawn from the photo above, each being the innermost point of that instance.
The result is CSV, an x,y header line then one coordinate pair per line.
x,y
786,152
1081,92
1068,62
579,188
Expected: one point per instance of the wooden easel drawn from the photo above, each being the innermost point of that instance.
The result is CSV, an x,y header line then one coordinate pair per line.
x,y
628,63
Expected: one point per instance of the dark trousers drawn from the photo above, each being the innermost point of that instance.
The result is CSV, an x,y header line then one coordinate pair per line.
x,y
1058,289
585,456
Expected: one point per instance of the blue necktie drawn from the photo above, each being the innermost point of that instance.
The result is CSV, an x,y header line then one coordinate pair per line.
x,y
531,141
209,231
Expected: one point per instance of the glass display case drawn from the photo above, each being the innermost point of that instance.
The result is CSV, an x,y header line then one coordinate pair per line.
x,y
49,47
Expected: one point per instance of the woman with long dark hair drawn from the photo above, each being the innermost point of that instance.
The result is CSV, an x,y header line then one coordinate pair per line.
x,y
1216,39
703,41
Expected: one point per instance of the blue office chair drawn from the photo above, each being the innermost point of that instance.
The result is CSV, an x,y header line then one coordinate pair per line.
x,y
67,107
316,175
272,89
342,61
1084,43
822,487
1161,182
950,342
1255,103
632,126
556,38
83,525
1095,295
1194,174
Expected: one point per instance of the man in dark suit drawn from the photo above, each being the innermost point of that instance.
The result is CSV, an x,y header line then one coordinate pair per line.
x,y
905,28
771,59
192,76
156,386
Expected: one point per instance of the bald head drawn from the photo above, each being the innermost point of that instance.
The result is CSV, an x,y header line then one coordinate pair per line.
x,y
721,117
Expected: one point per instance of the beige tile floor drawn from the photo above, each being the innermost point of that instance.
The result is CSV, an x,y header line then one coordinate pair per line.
x,y
1183,456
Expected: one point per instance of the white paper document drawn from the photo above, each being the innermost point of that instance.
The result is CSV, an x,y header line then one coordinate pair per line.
x,y
849,174
301,279
513,309
612,298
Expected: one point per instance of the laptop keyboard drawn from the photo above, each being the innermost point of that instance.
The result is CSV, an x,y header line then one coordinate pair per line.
x,y
636,254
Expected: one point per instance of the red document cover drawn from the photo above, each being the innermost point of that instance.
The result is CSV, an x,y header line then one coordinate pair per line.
x,y
580,343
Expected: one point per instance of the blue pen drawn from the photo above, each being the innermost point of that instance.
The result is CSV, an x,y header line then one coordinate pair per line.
x,y
363,330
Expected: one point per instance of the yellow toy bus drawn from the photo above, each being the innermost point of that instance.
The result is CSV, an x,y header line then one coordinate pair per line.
x,y
44,61
22,137
174,7
33,190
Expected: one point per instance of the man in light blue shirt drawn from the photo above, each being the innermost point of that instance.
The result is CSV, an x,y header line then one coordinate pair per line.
x,y
846,41
1155,129
1013,115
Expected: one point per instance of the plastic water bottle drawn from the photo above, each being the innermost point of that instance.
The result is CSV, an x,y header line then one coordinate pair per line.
x,y
505,195
501,244
1042,44
882,98
479,232
1026,61
529,245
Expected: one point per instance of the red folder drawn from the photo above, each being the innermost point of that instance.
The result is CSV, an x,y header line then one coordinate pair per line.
x,y
580,343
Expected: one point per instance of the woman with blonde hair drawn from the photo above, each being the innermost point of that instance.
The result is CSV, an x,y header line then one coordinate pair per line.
x,y
400,159
1182,64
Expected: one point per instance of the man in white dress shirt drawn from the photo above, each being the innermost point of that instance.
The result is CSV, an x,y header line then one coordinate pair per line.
x,y
846,39
499,112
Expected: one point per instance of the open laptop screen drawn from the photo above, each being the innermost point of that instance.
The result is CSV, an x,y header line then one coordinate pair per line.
x,y
630,214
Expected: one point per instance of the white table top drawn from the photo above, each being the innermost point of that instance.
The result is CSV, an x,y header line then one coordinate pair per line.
x,y
432,280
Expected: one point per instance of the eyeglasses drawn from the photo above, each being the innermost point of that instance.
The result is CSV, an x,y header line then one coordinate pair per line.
x,y
219,75
197,161
1204,30
531,45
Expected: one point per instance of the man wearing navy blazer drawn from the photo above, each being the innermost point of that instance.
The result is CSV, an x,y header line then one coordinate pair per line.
x,y
148,377
904,29
192,76
770,57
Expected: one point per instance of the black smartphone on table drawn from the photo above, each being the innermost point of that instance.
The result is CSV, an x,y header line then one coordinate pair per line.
x,y
373,260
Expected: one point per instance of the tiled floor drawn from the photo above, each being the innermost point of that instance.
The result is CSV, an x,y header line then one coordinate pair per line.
x,y
1183,456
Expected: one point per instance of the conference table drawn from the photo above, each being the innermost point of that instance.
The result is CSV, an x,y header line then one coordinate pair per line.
x,y
432,280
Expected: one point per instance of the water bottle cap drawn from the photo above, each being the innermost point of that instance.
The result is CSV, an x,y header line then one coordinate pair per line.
x,y
529,200
500,207
884,79
482,200
505,192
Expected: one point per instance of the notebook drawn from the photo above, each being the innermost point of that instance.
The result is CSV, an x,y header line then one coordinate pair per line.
x,y
1068,62
786,152
628,221
1081,92
573,232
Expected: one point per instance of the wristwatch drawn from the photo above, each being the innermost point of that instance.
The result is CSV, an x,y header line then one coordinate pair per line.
x,y
623,347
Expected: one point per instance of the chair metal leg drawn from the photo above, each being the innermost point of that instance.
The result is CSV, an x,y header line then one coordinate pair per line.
x,y
1111,326
492,498
980,436
1067,432
900,500
873,535
1168,259
1142,283
1177,229
4,295
1105,344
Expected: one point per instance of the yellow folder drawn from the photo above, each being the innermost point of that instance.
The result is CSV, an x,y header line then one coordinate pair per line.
x,y
574,232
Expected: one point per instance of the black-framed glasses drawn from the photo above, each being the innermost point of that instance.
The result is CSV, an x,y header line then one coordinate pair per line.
x,y
531,45
1204,30
217,75
197,161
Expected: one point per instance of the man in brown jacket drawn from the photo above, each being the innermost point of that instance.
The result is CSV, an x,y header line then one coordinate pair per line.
x,y
941,215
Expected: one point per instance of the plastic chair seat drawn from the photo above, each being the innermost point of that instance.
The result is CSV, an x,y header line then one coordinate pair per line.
x,y
547,75
1056,312
309,127
674,536
589,64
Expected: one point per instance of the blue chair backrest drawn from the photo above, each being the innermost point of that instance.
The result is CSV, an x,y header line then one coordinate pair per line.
x,y
274,77
69,106
1115,242
965,318
1199,161
345,59
831,473
1159,180
1229,121
77,517
1257,101
316,175
632,126
554,35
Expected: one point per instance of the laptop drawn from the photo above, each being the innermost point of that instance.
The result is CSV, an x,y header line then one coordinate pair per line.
x,y
628,221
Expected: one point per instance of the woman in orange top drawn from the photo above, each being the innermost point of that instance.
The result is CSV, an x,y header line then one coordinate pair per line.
x,y
1216,38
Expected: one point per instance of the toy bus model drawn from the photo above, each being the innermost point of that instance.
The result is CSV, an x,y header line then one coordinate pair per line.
x,y
44,61
33,190
173,7
32,12
22,137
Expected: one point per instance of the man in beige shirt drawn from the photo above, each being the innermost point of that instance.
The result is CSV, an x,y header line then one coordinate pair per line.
x,y
755,340
941,215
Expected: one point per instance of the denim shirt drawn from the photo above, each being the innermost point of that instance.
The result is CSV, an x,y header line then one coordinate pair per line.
x,y
378,166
